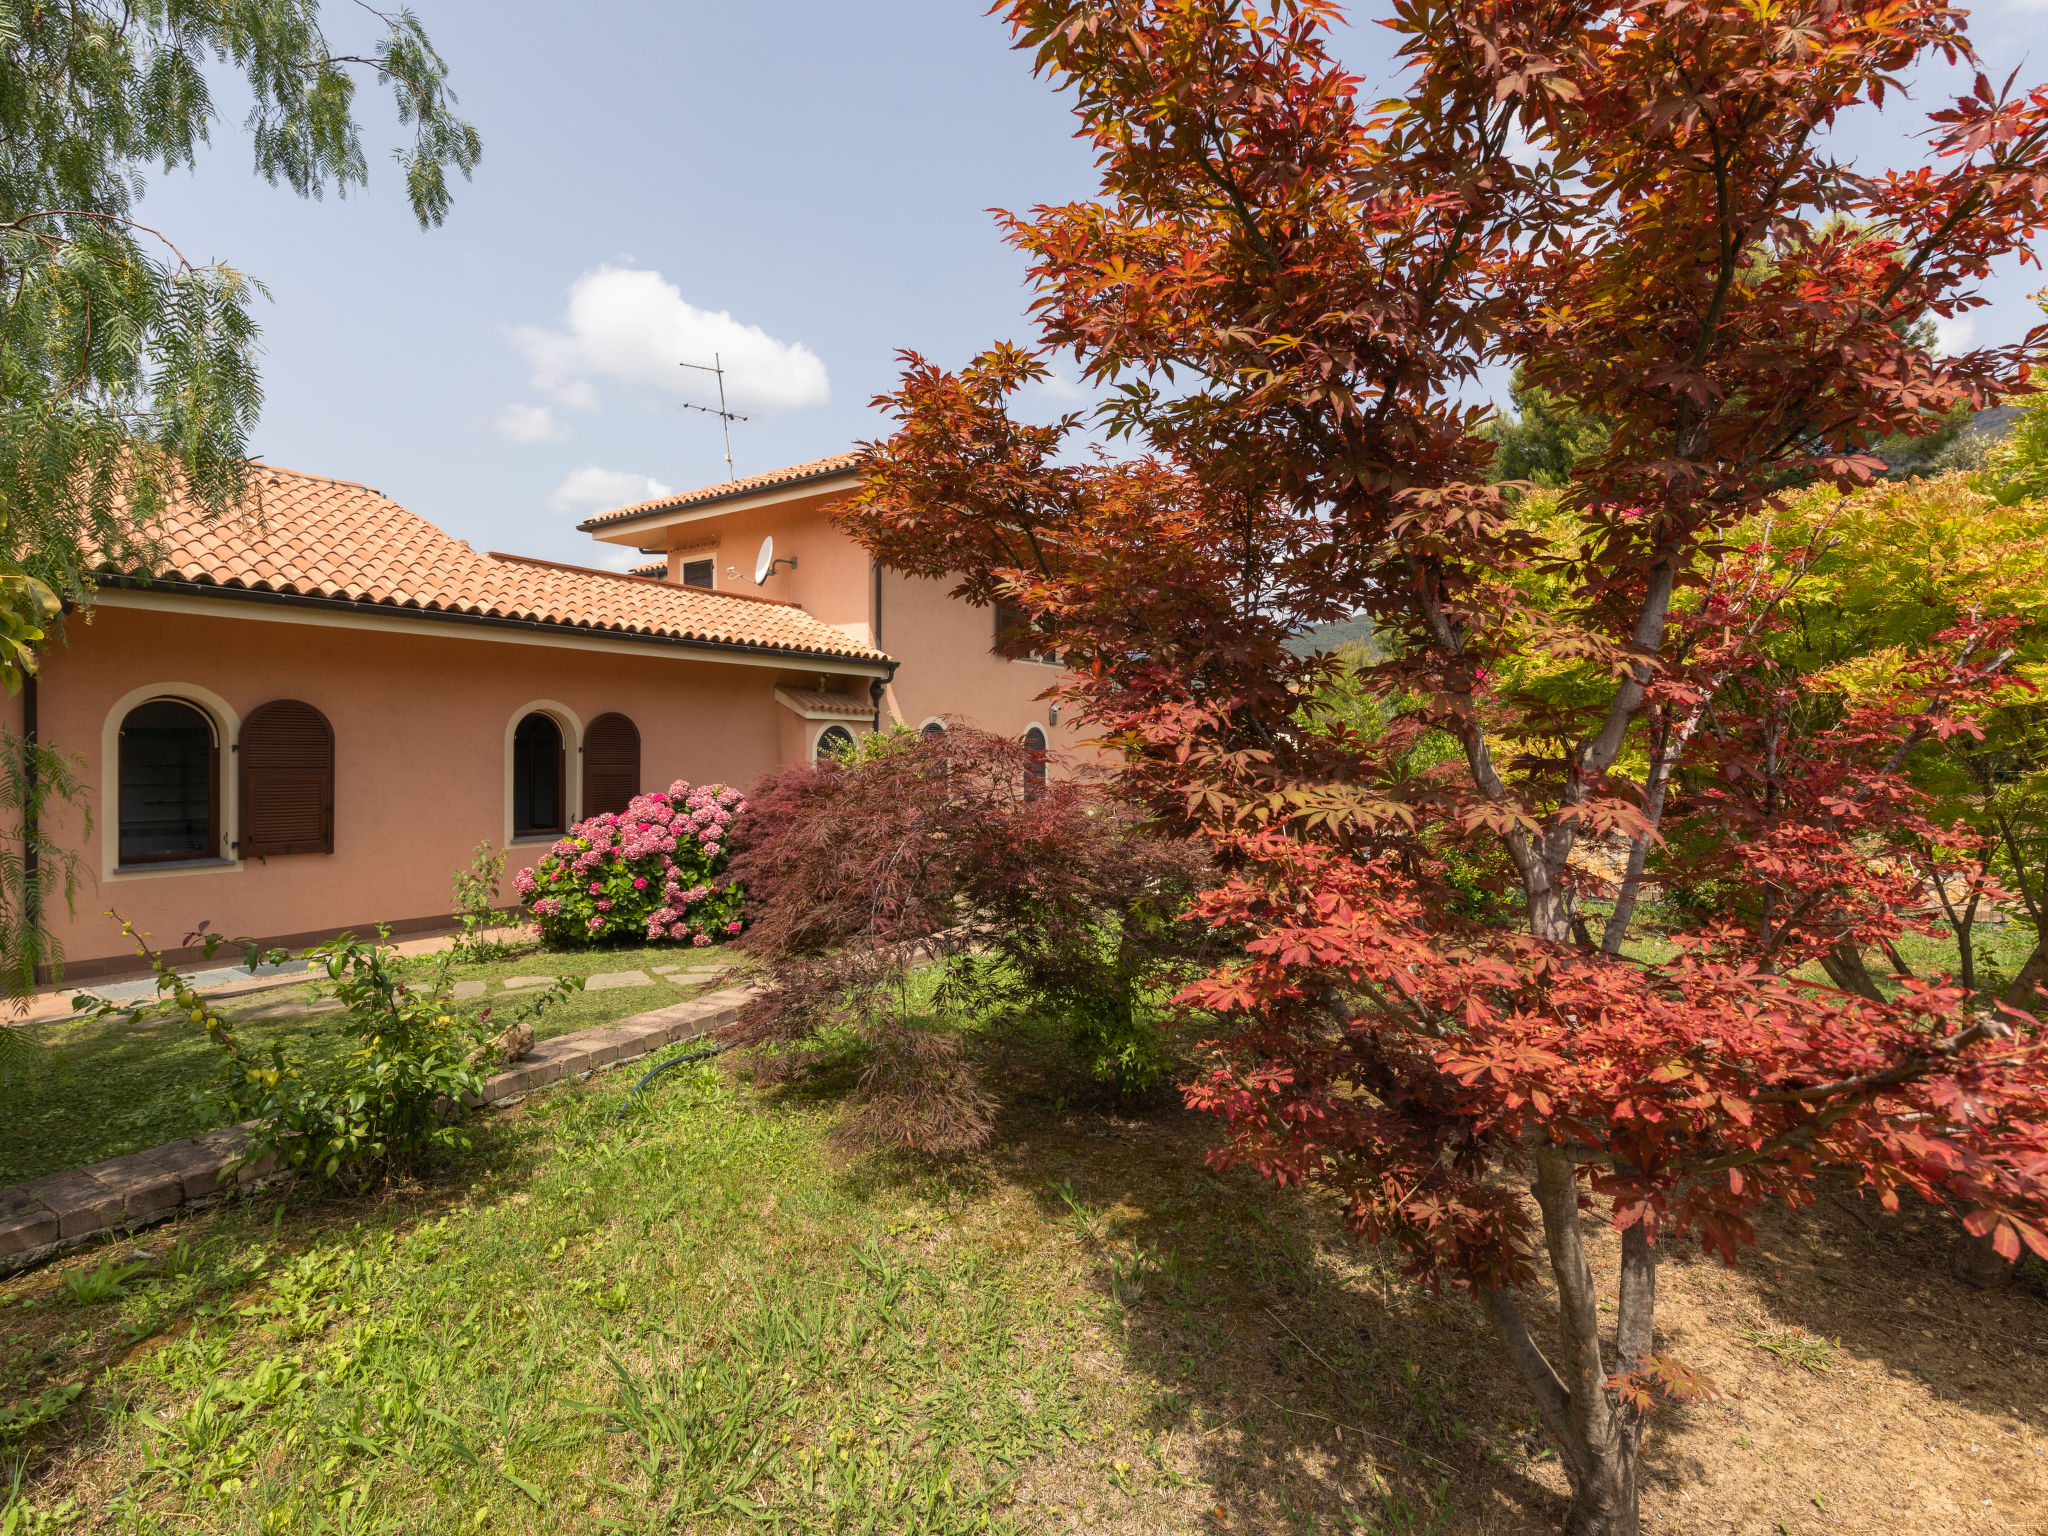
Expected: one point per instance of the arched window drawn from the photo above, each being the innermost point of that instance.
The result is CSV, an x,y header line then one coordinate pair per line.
x,y
170,784
833,741
611,764
537,777
932,728
287,774
1034,762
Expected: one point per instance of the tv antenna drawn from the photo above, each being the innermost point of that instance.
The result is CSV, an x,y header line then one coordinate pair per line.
x,y
725,417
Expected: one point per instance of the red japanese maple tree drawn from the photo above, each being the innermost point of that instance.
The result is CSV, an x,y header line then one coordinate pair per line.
x,y
1282,288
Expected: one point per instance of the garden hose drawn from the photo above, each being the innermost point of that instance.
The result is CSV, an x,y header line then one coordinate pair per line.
x,y
674,1061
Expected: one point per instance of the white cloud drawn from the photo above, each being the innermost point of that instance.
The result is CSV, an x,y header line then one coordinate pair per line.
x,y
636,327
1521,149
1953,336
591,489
530,424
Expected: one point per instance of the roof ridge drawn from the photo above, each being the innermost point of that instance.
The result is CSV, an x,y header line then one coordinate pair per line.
x,y
301,474
592,570
725,490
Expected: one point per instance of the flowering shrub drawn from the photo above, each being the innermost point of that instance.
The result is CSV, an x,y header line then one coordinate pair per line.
x,y
647,875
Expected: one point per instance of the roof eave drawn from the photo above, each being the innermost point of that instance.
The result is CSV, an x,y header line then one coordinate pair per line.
x,y
627,529
868,664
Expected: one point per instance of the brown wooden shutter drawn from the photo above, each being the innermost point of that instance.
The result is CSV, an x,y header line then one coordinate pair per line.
x,y
287,775
611,765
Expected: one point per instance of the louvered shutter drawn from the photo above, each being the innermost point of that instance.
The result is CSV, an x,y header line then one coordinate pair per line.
x,y
287,774
611,765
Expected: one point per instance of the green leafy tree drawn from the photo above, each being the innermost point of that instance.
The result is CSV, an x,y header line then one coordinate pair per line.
x,y
128,371
1544,437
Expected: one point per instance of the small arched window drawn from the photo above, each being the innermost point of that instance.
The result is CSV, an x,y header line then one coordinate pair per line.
x,y
1034,762
834,741
287,775
932,728
169,791
611,765
537,778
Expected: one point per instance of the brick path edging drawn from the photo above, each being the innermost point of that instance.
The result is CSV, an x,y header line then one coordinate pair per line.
x,y
60,1211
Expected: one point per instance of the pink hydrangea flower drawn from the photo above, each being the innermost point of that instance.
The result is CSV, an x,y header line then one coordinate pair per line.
x,y
701,940
639,882
732,927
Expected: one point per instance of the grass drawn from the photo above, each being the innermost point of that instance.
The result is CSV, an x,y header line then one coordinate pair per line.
x,y
1795,1346
2009,947
685,1316
108,1088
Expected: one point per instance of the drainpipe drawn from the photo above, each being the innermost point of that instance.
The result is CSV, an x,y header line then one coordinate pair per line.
x,y
875,639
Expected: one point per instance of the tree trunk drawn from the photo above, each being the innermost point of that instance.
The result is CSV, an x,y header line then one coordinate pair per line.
x,y
2025,991
1596,1439
1845,968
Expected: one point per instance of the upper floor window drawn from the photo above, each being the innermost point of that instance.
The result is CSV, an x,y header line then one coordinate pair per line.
x,y
1016,637
697,573
538,804
286,757
611,765
1034,761
169,791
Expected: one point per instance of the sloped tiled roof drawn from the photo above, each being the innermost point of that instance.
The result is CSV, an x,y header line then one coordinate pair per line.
x,y
725,490
657,568
814,705
311,537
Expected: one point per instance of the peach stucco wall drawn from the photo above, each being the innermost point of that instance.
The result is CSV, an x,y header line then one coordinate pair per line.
x,y
422,716
944,648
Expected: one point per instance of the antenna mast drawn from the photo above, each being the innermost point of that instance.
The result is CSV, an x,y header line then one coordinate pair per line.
x,y
725,417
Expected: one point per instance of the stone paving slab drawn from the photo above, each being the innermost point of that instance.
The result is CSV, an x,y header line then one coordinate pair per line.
x,y
45,1216
521,983
612,981
465,990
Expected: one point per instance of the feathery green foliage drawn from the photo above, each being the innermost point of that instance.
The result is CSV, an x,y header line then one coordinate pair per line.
x,y
128,372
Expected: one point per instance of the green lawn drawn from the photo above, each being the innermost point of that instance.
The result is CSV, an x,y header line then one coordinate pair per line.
x,y
105,1089
691,1316
2008,946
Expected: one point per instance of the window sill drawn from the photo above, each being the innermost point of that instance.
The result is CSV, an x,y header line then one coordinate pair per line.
x,y
154,865
537,837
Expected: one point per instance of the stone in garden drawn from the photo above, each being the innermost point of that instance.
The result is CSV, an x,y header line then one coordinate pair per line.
x,y
521,983
611,981
464,990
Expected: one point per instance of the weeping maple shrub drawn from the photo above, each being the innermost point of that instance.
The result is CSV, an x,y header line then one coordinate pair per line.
x,y
923,885
1280,296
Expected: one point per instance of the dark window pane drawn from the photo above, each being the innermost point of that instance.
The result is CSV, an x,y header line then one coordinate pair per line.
x,y
696,573
832,741
537,776
933,728
1034,762
166,792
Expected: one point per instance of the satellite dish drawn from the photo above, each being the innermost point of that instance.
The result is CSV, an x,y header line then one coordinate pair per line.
x,y
764,566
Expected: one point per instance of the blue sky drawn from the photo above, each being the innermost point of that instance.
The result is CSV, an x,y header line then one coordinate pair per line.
x,y
803,187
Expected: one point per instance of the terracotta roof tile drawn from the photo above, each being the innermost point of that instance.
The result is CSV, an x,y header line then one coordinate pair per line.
x,y
314,537
792,474
813,704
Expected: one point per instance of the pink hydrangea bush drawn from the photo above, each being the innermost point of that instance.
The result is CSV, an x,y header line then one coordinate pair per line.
x,y
650,875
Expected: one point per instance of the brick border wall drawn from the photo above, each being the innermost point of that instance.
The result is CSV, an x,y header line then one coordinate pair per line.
x,y
60,1211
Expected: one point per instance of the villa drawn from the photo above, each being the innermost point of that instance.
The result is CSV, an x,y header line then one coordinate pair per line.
x,y
303,721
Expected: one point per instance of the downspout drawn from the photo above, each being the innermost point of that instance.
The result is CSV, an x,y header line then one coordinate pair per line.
x,y
875,639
